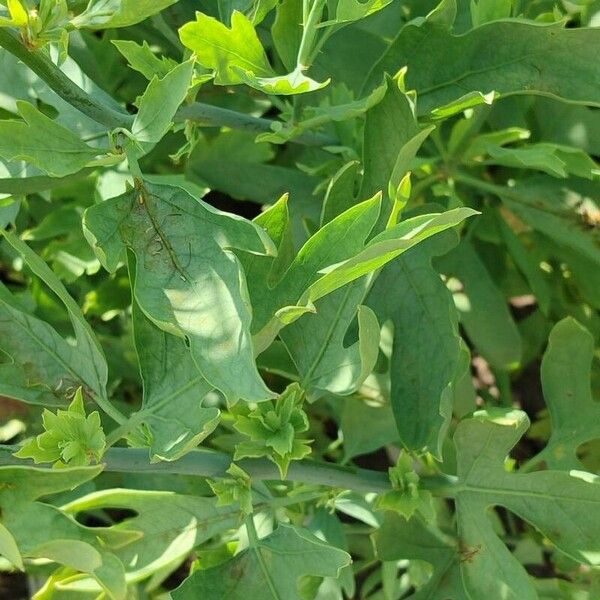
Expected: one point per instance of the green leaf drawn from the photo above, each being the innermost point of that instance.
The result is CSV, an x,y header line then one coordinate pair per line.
x,y
557,211
406,498
18,16
70,438
386,246
173,392
484,11
287,32
507,57
316,344
327,526
255,10
236,489
90,367
270,569
272,429
44,531
335,256
295,82
410,292
366,427
526,264
340,194
414,538
108,14
9,548
574,414
576,126
558,504
181,523
42,368
391,132
237,56
44,143
222,49
188,282
476,297
556,160
158,105
354,10
141,58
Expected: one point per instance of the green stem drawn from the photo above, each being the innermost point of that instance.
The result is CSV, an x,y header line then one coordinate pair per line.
x,y
124,428
113,412
44,68
323,39
207,463
481,185
162,27
439,144
215,116
477,121
206,114
311,20
251,530
425,183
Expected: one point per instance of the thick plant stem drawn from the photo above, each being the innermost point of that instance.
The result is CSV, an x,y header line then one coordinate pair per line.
x,y
203,113
206,463
215,116
44,68
215,464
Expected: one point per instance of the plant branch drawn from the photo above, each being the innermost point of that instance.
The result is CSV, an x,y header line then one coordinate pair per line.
x,y
207,463
82,101
215,116
44,68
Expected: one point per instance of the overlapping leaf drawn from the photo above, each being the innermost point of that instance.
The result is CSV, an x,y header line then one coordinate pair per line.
x,y
187,282
32,529
506,57
269,569
237,56
44,368
40,141
180,523
574,414
559,504
498,340
316,342
335,256
157,106
104,14
173,393
421,310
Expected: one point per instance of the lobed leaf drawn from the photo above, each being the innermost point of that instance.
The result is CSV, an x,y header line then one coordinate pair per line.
x,y
188,282
40,141
505,57
272,567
